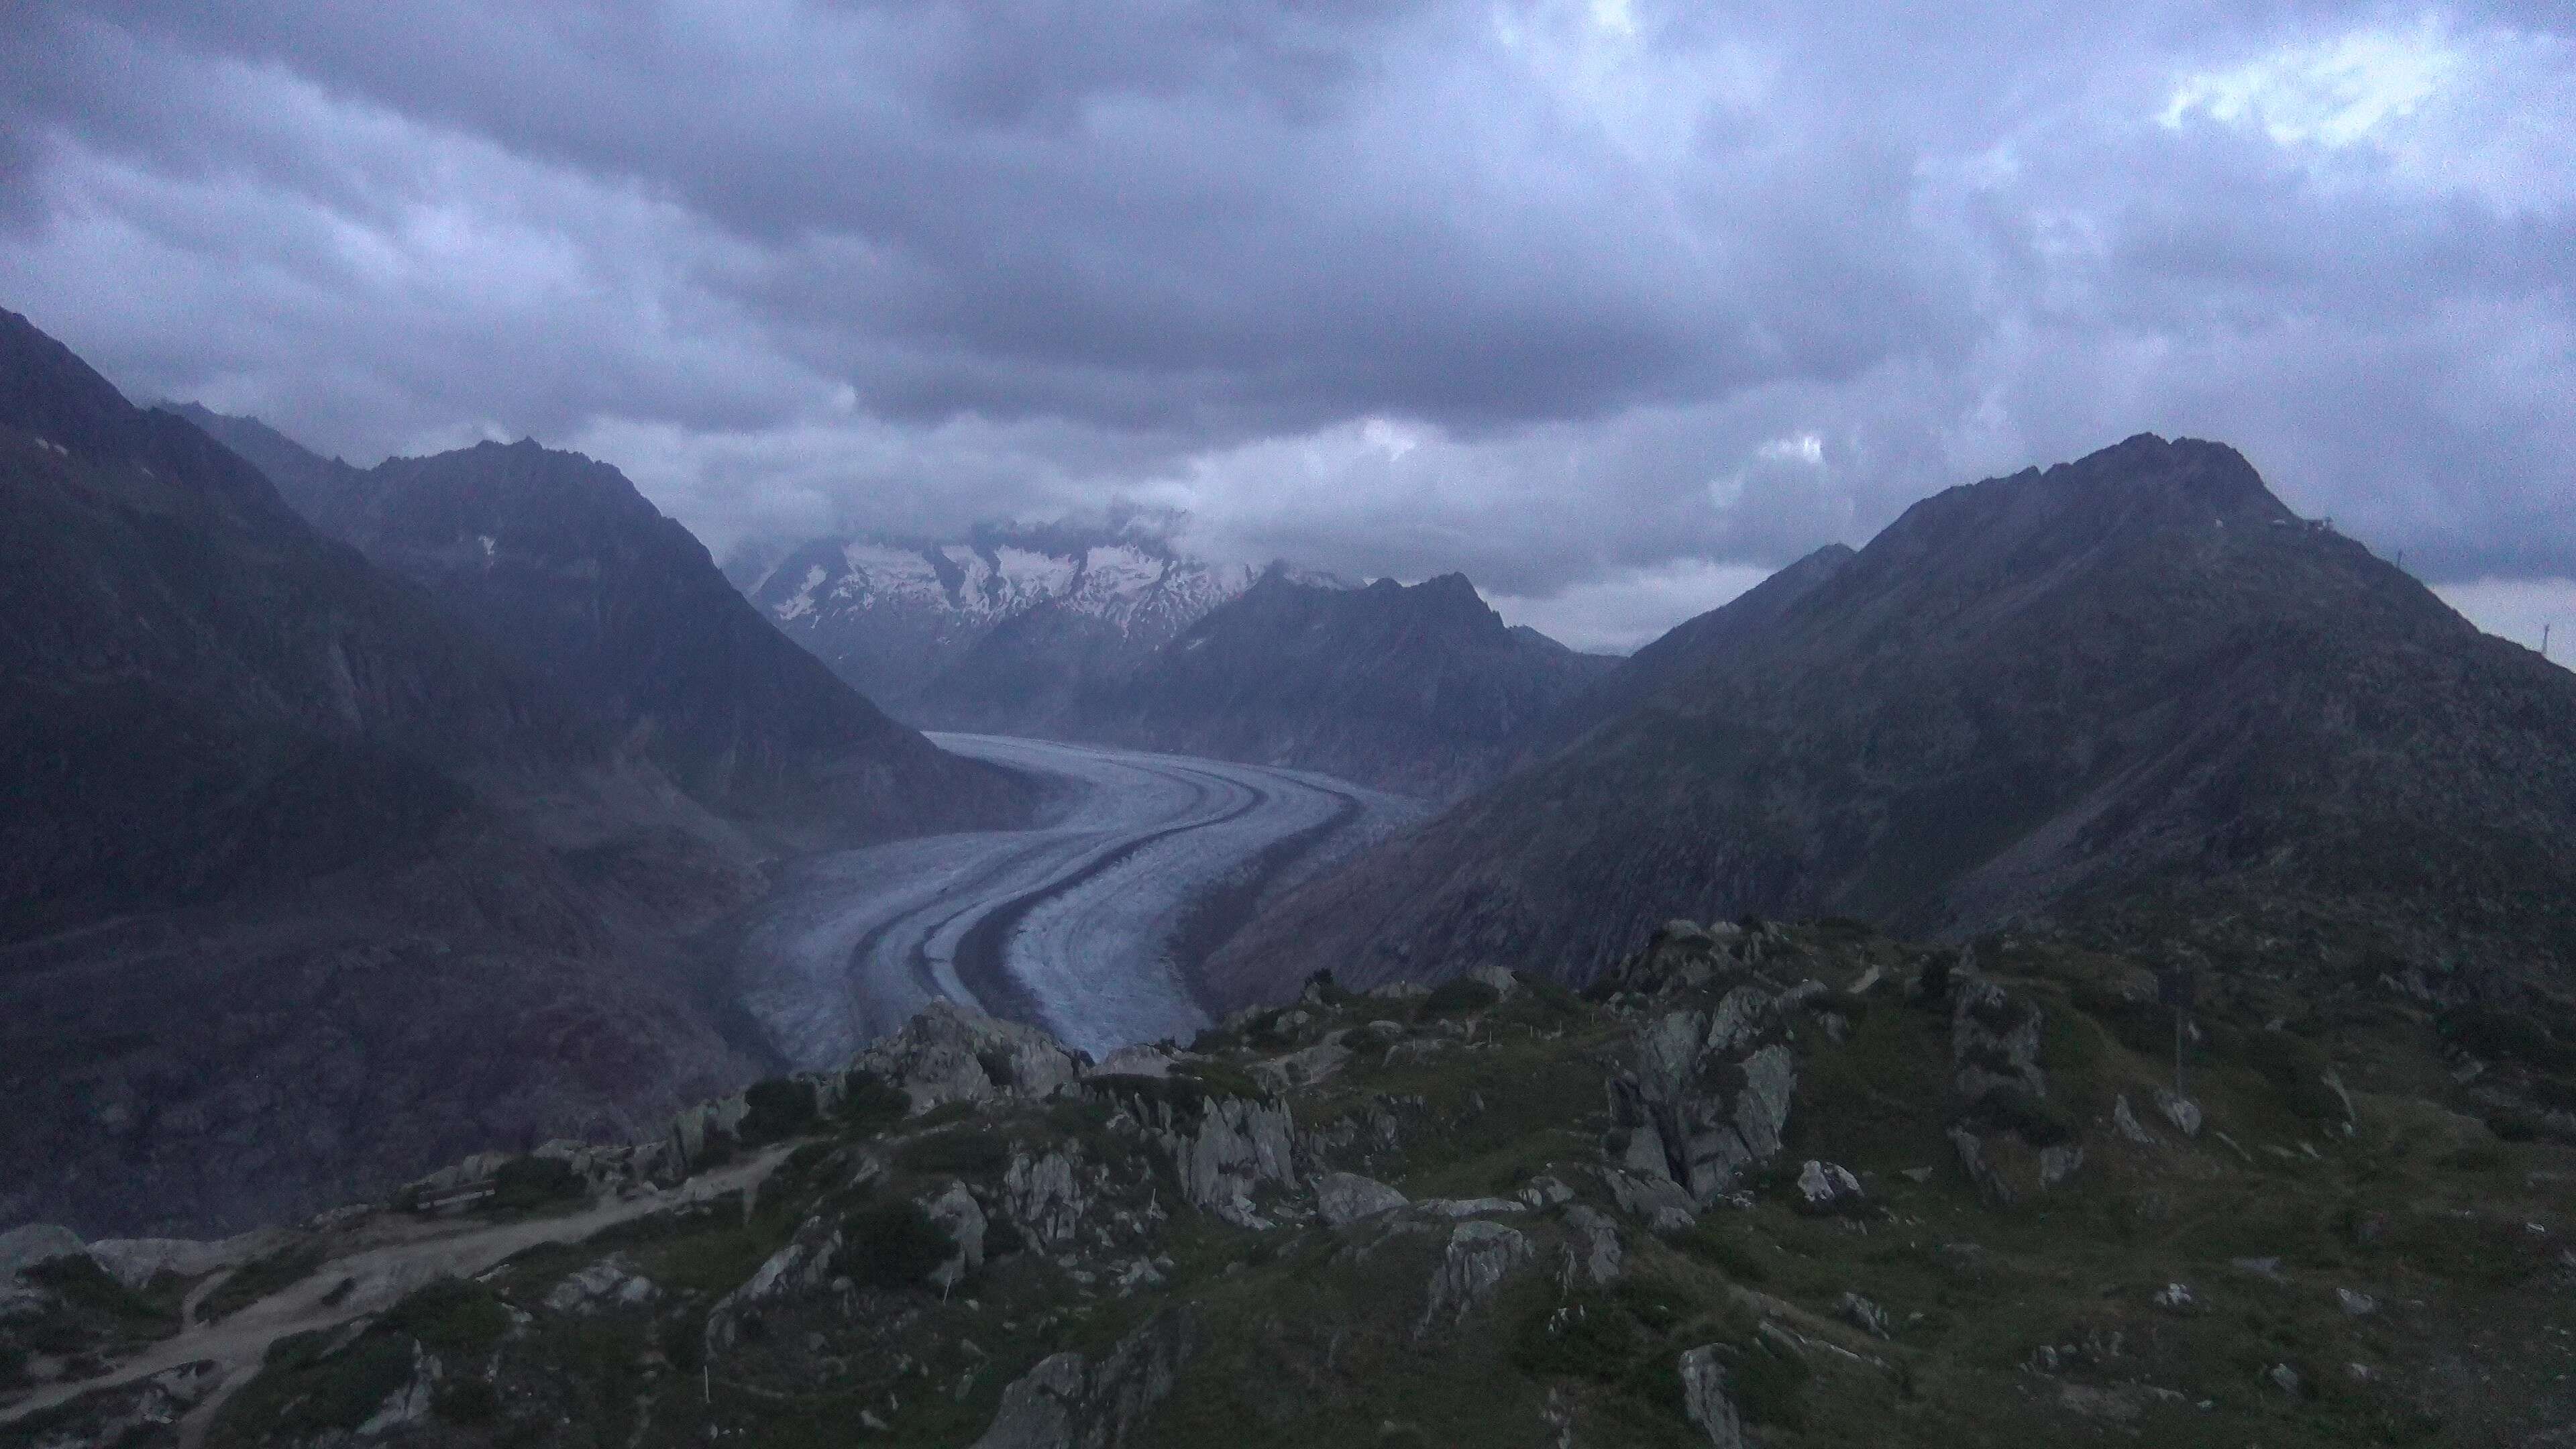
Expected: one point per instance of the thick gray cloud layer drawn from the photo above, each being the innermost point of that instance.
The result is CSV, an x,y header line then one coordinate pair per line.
x,y
1611,304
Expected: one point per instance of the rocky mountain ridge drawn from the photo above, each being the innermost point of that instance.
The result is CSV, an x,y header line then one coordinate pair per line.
x,y
566,569
2133,691
1418,689
1798,1185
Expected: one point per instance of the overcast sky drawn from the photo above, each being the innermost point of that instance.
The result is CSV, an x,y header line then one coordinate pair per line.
x,y
1612,305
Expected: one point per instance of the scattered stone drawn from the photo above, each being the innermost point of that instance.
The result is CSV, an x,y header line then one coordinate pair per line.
x,y
1917,1174
2097,1403
2284,1378
962,1218
1864,1315
1470,1207
1826,1188
2175,1297
2058,1163
612,1282
2356,1304
1592,1250
2260,1267
2181,1111
1545,1191
1989,1183
1655,1201
1316,1063
2125,1122
1704,1398
1505,984
1346,1197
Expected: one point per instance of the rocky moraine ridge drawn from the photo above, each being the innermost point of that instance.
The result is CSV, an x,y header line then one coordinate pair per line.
x,y
1787,1185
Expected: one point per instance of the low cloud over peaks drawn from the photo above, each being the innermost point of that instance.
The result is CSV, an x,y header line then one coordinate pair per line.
x,y
1609,305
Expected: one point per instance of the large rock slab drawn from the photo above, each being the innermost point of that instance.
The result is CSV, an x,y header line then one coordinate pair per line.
x,y
1069,1402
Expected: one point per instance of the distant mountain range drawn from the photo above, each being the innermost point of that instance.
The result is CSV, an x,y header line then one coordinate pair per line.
x,y
1112,635
980,631
2133,693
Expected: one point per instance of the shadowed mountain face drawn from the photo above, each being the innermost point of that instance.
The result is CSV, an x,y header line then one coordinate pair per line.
x,y
205,694
2133,688
302,885
1420,690
564,567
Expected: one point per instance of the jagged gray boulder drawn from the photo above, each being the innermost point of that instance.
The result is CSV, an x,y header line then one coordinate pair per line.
x,y
1994,1041
962,1218
1232,1147
1068,1402
1700,1102
1479,1257
1705,1400
2181,1111
1347,1197
1864,1315
1044,1194
1828,1188
1593,1254
952,1053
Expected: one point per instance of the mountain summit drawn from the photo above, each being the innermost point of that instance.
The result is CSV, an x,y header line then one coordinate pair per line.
x,y
1420,689
2133,687
567,569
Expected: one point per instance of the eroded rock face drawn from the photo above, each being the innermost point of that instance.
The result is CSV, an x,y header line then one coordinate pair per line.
x,y
1480,1255
1068,1402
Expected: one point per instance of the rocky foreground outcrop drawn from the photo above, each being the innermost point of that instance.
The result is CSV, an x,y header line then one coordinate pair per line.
x,y
1763,1184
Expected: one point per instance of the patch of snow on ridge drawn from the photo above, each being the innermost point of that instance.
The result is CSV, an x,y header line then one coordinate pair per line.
x,y
879,574
801,603
1027,578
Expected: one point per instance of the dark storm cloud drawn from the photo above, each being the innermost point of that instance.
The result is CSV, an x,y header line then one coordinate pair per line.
x,y
1582,298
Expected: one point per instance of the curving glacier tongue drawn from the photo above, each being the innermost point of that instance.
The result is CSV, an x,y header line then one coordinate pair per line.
x,y
1088,925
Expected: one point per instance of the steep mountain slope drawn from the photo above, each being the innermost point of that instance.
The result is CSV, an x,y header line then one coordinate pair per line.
x,y
894,616
301,886
1682,651
567,569
1419,690
2130,688
203,692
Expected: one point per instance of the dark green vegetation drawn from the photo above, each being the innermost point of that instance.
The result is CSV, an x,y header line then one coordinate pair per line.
x,y
2132,694
77,1314
2296,1273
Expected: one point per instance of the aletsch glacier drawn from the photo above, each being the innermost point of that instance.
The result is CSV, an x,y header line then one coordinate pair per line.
x,y
1083,923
